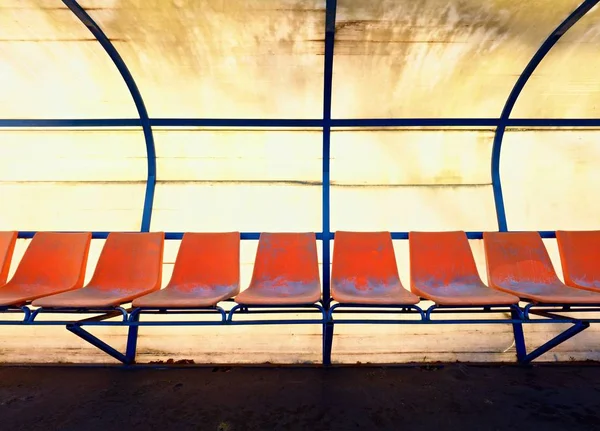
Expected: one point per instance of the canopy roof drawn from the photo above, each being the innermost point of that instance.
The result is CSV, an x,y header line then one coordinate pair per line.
x,y
265,59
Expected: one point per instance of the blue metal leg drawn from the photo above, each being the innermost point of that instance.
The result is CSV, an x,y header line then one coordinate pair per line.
x,y
132,337
429,311
34,314
233,310
559,339
223,314
327,342
96,342
518,334
27,313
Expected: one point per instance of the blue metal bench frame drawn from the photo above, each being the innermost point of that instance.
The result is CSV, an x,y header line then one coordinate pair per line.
x,y
130,318
518,317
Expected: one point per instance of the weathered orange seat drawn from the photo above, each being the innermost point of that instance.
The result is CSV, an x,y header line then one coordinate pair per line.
x,y
129,266
52,263
580,258
7,247
443,270
518,263
364,270
286,271
207,270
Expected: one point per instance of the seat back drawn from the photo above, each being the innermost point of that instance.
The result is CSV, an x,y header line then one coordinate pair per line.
x,y
580,257
363,260
7,247
285,259
439,259
207,260
54,261
130,262
517,257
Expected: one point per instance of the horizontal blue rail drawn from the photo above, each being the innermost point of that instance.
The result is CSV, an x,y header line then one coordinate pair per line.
x,y
256,235
466,122
300,123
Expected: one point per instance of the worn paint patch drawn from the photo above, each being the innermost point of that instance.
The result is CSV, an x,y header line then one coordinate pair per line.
x,y
280,286
192,289
451,283
363,285
587,281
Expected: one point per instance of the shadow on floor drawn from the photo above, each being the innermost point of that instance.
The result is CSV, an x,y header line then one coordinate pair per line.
x,y
453,397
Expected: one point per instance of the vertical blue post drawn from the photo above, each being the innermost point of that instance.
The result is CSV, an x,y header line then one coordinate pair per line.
x,y
137,99
518,335
537,58
330,10
132,337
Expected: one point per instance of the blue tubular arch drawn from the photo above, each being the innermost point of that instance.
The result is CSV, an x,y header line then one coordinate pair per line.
x,y
137,99
571,20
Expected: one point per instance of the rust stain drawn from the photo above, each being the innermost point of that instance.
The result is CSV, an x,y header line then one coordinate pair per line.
x,y
339,25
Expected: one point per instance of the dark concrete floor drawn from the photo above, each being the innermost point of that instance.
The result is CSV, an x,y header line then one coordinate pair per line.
x,y
451,397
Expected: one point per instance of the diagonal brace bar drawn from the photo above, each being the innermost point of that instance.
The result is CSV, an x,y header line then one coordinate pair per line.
x,y
98,343
577,327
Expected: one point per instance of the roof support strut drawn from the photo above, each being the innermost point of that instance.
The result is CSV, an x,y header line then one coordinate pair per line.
x,y
114,55
537,58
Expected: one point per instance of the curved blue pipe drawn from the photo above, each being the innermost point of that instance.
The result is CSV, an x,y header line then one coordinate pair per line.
x,y
137,99
575,16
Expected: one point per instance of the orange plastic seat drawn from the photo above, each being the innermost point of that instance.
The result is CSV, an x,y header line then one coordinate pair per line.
x,y
52,263
7,247
207,270
364,270
286,271
518,263
129,266
443,270
580,258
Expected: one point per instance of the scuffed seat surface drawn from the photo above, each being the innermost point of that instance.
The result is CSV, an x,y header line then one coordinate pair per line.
x,y
207,271
518,263
130,265
286,271
364,270
443,270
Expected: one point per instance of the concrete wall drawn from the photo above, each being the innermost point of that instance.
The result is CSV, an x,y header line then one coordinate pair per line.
x,y
260,59
396,180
